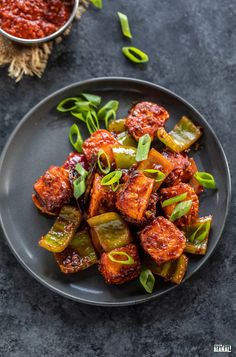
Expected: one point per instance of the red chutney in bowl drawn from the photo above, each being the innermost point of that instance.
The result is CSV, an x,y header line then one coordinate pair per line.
x,y
33,19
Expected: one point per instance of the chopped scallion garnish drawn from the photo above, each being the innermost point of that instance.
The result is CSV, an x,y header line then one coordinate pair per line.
x,y
205,179
104,168
201,232
174,199
68,104
147,279
75,138
135,55
128,261
180,210
112,178
97,3
79,184
92,98
143,147
124,23
157,174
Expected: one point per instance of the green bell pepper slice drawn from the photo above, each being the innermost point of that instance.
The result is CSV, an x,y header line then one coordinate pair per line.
x,y
125,156
184,134
126,139
79,254
197,236
109,231
117,126
63,230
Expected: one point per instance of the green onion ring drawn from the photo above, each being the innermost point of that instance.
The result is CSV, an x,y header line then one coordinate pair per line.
x,y
78,116
124,23
92,122
79,168
201,232
135,55
103,169
127,261
111,114
94,100
62,108
205,179
159,175
143,147
147,279
180,210
79,187
77,144
97,3
112,104
174,199
111,178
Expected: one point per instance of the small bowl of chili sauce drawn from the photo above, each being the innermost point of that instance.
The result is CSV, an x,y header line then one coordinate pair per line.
x,y
35,21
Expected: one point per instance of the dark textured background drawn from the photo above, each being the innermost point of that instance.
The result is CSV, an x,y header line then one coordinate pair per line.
x,y
192,48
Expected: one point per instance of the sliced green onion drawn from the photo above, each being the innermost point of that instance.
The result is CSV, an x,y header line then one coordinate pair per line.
x,y
111,178
111,114
103,168
201,232
79,187
115,186
92,121
79,168
92,98
64,106
135,55
127,261
124,23
112,104
97,3
180,210
158,175
143,147
78,115
83,107
78,141
174,199
205,179
147,279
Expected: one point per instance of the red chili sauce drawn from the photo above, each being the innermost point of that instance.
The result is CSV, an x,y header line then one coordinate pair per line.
x,y
32,19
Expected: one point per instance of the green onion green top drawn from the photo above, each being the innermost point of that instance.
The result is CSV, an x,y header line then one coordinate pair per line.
x,y
147,279
157,174
124,23
174,199
180,210
127,261
143,147
104,168
97,3
75,138
205,179
135,55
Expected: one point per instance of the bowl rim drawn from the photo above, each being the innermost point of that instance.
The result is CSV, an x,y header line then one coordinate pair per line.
x,y
27,41
148,297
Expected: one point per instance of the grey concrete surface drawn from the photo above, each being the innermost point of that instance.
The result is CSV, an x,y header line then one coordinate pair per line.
x,y
192,48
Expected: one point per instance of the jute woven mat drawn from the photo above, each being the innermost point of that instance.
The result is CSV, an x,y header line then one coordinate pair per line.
x,y
31,60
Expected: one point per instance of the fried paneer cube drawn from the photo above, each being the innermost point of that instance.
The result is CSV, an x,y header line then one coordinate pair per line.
x,y
53,189
118,273
133,198
101,139
173,191
146,118
184,167
162,240
102,198
78,255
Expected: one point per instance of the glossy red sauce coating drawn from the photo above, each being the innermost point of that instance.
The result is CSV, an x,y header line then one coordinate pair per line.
x,y
33,19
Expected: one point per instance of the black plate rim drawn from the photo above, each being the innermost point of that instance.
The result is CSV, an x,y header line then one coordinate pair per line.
x,y
121,80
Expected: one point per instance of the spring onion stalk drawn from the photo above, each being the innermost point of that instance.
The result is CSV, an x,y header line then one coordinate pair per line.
x,y
110,115
143,147
174,199
112,104
201,232
147,280
111,178
157,174
78,116
75,138
92,122
105,169
93,99
68,104
127,261
180,210
135,55
97,3
124,23
205,179
79,184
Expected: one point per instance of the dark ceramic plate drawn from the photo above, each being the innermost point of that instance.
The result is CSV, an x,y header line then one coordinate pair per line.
x,y
40,140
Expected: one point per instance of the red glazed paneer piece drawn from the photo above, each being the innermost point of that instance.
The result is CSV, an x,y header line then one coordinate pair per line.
x,y
173,191
118,273
53,189
101,139
184,168
102,198
133,198
162,240
146,118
